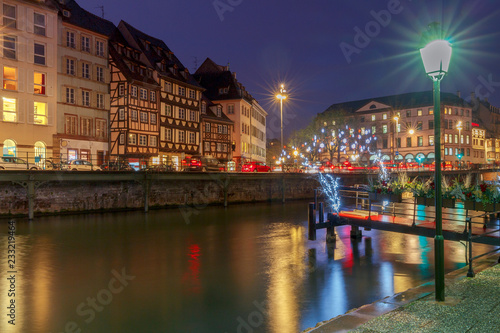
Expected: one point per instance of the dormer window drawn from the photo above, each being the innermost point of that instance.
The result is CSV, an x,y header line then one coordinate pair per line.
x,y
373,106
204,108
66,13
219,111
223,91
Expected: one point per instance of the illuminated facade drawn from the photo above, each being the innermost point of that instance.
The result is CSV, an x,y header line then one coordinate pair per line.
x,y
29,79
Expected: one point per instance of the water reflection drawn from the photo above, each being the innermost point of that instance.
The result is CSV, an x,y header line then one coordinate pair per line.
x,y
247,267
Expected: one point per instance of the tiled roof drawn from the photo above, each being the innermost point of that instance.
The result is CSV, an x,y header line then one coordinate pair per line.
x,y
158,52
84,19
210,114
402,101
214,77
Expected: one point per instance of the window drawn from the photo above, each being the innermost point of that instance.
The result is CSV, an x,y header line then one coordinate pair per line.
x,y
207,146
153,118
192,115
39,54
167,110
181,136
71,124
40,113
70,66
445,138
39,24
219,111
419,112
133,115
9,109
9,78
420,141
384,116
9,47
132,139
224,129
419,126
168,87
450,138
219,129
384,143
39,83
398,142
70,95
192,137
121,114
122,139
144,117
467,140
168,134
374,129
100,101
384,129
450,149
468,151
408,113
134,91
70,39
121,90
456,138
192,94
182,91
431,111
373,117
182,113
362,119
100,74
99,48
101,129
230,109
207,127
431,124
144,94
204,108
143,140
85,98
153,141
86,126
9,16
85,70
152,96
85,44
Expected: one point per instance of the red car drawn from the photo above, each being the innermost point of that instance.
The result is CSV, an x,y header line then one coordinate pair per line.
x,y
255,167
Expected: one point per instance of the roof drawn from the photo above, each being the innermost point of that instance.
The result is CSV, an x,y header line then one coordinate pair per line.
x,y
84,19
210,115
213,77
158,52
402,101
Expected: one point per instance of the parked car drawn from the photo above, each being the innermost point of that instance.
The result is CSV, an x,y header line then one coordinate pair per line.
x,y
116,166
203,163
82,165
255,167
15,163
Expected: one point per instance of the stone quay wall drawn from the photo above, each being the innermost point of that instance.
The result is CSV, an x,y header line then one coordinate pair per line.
x,y
73,192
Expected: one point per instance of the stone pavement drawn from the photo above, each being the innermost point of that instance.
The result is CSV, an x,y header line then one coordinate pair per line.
x,y
471,305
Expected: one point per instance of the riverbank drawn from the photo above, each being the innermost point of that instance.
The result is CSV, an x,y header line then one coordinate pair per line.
x,y
471,305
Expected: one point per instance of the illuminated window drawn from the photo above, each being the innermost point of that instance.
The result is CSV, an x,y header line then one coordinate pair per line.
x,y
373,117
431,111
9,109
431,140
86,126
39,58
384,129
9,16
384,116
71,124
70,95
374,129
39,83
85,98
100,129
9,148
132,139
9,78
39,24
40,113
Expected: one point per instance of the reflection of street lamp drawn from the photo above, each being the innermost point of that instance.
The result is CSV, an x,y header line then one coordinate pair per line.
x,y
281,96
436,58
396,118
459,155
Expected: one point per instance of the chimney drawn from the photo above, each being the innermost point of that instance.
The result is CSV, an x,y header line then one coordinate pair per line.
x,y
458,94
234,75
472,95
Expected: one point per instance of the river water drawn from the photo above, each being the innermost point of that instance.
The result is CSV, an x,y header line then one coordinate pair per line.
x,y
246,268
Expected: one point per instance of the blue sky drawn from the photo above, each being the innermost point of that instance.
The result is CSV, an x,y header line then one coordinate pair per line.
x,y
316,49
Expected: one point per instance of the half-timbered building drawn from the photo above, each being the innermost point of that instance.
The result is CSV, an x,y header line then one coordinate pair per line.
x,y
217,130
134,91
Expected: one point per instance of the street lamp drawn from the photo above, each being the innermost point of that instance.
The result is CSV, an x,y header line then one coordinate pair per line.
x,y
396,118
436,57
281,96
459,155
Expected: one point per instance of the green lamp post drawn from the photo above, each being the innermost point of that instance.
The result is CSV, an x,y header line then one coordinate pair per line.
x,y
436,57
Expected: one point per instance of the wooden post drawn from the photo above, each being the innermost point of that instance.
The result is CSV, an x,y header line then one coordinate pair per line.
x,y
312,222
355,232
315,199
321,213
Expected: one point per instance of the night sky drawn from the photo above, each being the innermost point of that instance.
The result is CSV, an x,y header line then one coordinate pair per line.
x,y
297,42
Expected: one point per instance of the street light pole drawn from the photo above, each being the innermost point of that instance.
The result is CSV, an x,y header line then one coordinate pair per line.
x,y
396,118
459,127
281,96
436,58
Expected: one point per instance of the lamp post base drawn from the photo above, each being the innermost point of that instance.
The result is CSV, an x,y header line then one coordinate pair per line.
x,y
439,262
